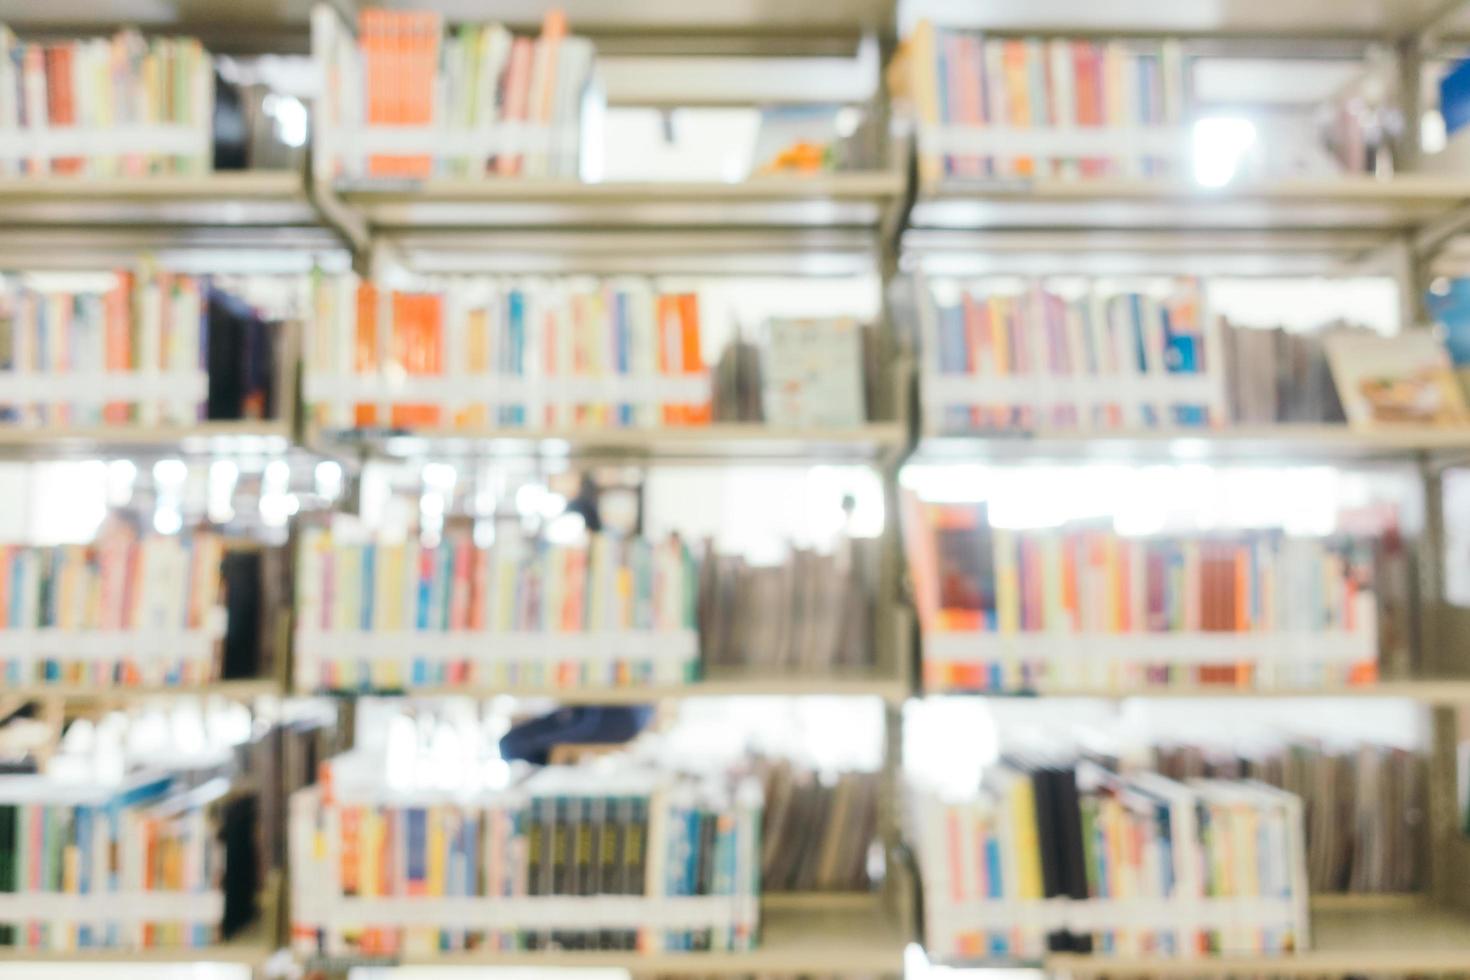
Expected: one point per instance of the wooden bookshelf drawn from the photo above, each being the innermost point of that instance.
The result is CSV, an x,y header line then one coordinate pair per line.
x,y
235,690
1427,692
829,200
1339,203
891,689
1287,443
252,947
875,442
202,440
824,942
244,198
1412,939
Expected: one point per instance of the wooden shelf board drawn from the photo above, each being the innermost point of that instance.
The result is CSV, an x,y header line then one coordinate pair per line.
x,y
839,200
242,690
1283,443
891,690
250,947
823,942
1336,203
737,442
1364,941
226,438
1432,692
259,198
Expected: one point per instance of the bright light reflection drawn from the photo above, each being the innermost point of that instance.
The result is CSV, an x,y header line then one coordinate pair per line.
x,y
1220,142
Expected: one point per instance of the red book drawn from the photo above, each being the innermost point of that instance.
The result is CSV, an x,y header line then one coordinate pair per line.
x,y
61,104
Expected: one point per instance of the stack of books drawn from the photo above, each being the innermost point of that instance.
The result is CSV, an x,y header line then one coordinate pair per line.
x,y
1082,607
811,614
818,834
1072,857
1366,806
128,610
480,352
405,100
119,107
573,859
610,612
1009,107
1008,355
133,866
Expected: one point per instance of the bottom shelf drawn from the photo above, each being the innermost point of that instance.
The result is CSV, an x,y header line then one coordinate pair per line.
x,y
828,941
250,947
1387,938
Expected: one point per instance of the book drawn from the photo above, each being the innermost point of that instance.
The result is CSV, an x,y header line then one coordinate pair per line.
x,y
1003,355
814,373
1080,606
480,352
123,611
1394,381
522,613
665,859
817,834
123,106
1131,864
486,102
989,106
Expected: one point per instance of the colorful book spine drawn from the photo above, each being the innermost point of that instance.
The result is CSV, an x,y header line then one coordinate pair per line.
x,y
489,103
132,868
998,356
102,107
516,870
1083,607
521,614
1075,858
477,353
124,611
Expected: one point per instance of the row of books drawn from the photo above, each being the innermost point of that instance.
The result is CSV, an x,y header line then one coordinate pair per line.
x,y
1366,806
104,107
144,347
1026,355
478,352
1277,375
84,866
1074,857
481,100
810,614
611,611
1128,100
572,858
129,609
818,834
1005,609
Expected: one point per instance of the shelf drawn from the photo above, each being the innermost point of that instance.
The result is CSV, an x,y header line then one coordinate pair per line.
x,y
250,947
837,200
1430,692
719,443
1360,941
892,690
236,690
864,942
204,440
1283,443
243,198
1344,217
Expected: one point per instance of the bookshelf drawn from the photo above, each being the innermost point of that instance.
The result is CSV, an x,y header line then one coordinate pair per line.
x,y
819,225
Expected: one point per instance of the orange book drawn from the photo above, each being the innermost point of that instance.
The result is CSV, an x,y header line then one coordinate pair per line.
x,y
1018,95
1069,582
351,826
423,77
366,360
371,42
517,98
923,561
61,106
679,353
117,340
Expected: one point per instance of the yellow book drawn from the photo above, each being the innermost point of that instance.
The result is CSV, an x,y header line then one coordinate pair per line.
x,y
923,62
1028,847
1007,582
1000,333
436,851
